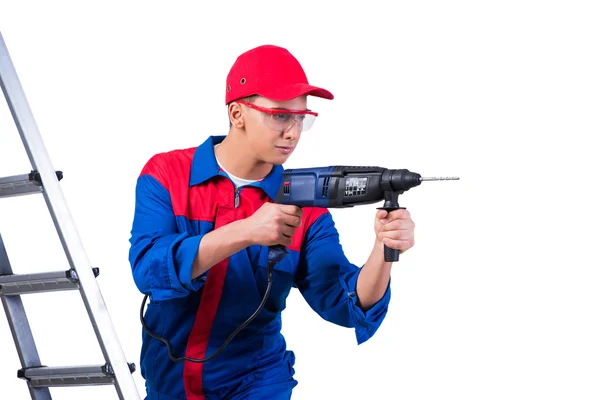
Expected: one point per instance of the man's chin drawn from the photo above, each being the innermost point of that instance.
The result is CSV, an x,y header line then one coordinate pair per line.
x,y
279,159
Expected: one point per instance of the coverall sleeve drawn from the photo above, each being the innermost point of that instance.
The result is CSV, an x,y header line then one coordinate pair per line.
x,y
160,256
327,281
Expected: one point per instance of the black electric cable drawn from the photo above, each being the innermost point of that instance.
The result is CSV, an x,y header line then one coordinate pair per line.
x,y
242,326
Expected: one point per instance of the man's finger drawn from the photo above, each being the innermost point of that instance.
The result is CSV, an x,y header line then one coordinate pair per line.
x,y
291,210
401,245
285,241
397,214
287,231
398,225
394,235
292,220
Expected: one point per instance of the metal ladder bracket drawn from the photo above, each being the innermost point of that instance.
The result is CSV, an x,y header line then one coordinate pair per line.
x,y
19,185
12,285
86,375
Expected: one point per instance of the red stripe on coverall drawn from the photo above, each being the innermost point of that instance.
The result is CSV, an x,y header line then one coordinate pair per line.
x,y
200,333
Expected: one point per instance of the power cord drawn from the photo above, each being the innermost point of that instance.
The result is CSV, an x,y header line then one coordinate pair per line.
x,y
270,266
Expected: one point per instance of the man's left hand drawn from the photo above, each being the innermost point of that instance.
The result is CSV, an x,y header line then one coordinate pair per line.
x,y
395,229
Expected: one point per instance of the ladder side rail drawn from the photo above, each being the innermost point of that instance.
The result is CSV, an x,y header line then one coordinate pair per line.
x,y
20,329
63,221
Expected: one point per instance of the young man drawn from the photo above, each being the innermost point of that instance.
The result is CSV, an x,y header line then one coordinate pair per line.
x,y
204,218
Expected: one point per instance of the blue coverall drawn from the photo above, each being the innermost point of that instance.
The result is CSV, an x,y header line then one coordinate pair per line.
x,y
182,195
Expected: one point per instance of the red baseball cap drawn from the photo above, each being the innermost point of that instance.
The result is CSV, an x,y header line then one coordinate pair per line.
x,y
272,72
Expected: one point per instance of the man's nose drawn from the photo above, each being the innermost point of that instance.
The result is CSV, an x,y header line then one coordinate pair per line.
x,y
293,132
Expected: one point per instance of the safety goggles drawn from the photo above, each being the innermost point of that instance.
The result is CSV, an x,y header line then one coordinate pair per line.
x,y
283,119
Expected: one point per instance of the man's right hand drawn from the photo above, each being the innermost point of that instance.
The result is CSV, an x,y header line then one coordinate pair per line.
x,y
273,224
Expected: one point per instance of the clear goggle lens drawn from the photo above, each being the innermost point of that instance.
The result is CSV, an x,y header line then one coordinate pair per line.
x,y
284,120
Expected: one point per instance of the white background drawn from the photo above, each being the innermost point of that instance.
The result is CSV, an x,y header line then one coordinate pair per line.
x,y
499,298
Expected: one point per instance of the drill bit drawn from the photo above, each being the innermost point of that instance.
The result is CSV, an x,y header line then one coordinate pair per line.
x,y
440,178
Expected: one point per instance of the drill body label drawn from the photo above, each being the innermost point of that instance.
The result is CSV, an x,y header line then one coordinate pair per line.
x,y
356,186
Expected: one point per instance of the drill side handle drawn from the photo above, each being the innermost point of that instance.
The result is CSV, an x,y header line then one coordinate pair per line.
x,y
391,255
391,204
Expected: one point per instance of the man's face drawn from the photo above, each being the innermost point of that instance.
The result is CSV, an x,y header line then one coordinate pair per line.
x,y
273,137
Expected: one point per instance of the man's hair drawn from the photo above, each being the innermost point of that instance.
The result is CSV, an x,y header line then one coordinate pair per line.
x,y
248,99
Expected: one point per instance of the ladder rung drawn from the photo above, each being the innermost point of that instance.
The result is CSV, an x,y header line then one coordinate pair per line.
x,y
13,285
19,185
86,375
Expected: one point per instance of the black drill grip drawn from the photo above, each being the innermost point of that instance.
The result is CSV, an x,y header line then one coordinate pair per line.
x,y
391,254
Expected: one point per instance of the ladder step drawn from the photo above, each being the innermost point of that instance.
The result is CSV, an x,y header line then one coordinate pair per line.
x,y
14,285
19,185
86,375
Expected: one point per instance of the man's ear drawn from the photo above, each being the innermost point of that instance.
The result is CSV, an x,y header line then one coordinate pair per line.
x,y
236,116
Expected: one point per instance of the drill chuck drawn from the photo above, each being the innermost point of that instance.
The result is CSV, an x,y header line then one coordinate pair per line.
x,y
403,179
399,180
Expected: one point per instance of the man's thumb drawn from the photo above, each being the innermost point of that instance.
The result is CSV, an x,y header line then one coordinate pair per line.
x,y
381,214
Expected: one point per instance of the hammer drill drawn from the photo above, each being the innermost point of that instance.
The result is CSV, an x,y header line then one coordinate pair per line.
x,y
345,186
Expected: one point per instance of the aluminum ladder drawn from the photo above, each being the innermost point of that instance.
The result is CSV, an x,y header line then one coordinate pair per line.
x,y
80,276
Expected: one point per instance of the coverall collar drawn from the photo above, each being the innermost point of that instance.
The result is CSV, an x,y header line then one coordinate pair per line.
x,y
205,166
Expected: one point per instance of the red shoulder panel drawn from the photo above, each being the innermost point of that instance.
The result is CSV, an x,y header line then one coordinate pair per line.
x,y
311,214
172,169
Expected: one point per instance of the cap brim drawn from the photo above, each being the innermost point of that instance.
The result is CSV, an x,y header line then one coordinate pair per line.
x,y
293,91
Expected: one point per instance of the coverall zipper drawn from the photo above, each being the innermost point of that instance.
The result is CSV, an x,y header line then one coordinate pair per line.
x,y
236,201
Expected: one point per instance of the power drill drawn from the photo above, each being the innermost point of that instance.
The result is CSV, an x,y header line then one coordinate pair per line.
x,y
327,187
346,186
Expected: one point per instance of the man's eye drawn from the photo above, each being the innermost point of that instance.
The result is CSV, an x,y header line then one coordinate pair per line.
x,y
282,117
